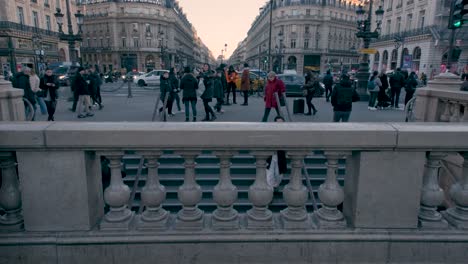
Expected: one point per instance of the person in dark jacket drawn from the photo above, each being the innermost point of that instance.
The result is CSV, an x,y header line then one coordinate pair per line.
x,y
175,86
218,89
49,85
95,83
310,88
81,85
342,98
382,97
207,95
167,90
410,87
328,82
245,83
21,81
397,81
189,86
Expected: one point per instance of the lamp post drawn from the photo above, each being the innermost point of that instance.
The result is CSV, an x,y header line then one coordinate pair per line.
x,y
364,27
70,37
38,52
400,42
162,47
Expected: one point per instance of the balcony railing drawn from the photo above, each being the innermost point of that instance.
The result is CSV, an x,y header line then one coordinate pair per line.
x,y
408,33
7,25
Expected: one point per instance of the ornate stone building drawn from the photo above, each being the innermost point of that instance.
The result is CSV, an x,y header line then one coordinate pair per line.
x,y
415,37
137,35
306,35
29,33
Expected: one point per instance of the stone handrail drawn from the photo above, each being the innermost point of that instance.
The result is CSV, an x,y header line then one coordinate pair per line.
x,y
61,188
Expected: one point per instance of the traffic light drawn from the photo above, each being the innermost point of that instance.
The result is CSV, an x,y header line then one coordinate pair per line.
x,y
457,11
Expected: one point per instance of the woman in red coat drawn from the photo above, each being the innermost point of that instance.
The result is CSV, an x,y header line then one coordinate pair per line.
x,y
274,85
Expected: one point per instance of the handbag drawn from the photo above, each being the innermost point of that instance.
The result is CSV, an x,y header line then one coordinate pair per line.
x,y
201,87
282,100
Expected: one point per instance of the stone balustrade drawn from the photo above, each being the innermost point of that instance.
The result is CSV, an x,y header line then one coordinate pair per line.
x,y
435,105
390,191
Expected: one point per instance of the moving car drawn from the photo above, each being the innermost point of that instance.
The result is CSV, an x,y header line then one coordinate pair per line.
x,y
150,78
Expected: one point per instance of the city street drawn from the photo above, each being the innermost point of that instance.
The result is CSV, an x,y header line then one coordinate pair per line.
x,y
119,108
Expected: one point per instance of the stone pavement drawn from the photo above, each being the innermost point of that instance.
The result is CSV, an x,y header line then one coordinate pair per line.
x,y
119,108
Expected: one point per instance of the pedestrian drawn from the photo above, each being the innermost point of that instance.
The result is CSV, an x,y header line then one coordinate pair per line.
x,y
189,86
35,82
328,82
273,86
382,97
373,87
81,85
218,90
310,88
245,83
410,86
207,95
224,79
424,78
342,98
49,86
21,81
95,83
231,79
167,90
397,81
176,87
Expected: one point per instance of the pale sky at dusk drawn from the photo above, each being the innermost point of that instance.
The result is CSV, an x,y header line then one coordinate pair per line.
x,y
220,22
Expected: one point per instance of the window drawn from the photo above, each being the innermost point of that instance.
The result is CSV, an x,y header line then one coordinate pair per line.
x,y
295,12
398,24
89,42
57,3
101,41
293,43
148,28
124,42
20,15
307,29
148,42
307,12
48,24
136,42
306,43
388,26
282,13
46,3
409,21
389,5
108,41
34,1
421,18
35,19
293,28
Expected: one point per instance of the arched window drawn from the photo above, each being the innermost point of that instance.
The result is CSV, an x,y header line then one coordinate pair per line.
x,y
416,59
376,61
394,60
292,63
150,63
385,60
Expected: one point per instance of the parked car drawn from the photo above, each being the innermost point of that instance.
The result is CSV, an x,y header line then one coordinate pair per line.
x,y
150,78
131,76
293,83
255,81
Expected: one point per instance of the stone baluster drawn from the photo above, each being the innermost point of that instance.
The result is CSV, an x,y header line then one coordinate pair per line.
x,y
295,195
331,194
455,116
190,194
458,216
225,194
465,114
152,196
10,196
116,196
431,194
260,195
445,117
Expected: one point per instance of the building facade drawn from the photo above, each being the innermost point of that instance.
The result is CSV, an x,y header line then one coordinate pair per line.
x,y
137,35
307,35
29,33
415,37
237,58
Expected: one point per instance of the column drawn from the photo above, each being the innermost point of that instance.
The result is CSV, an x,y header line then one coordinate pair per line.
x,y
190,194
225,194
331,194
295,195
152,196
10,196
116,195
458,216
260,195
432,195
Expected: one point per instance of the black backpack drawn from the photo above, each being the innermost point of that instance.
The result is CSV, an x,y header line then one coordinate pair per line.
x,y
345,95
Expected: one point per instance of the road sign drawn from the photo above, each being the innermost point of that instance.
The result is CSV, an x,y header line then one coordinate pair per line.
x,y
368,51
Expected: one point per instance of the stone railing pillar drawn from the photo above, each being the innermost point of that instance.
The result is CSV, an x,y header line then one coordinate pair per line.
x,y
432,195
331,194
445,81
116,195
225,194
11,102
10,196
260,195
465,114
458,216
295,195
152,196
190,194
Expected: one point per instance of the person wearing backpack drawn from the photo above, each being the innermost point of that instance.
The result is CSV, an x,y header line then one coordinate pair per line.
x,y
373,87
342,99
410,86
397,81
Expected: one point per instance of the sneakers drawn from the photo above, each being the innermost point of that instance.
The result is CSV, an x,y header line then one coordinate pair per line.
x,y
372,108
89,114
315,111
81,116
187,119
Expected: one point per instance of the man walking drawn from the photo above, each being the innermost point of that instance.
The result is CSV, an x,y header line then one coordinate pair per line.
x,y
22,81
342,99
397,81
328,82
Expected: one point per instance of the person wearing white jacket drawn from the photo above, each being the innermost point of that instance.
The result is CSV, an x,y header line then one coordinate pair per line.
x,y
373,86
35,81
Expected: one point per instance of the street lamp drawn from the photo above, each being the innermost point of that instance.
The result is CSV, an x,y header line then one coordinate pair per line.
x,y
222,51
38,51
364,32
70,37
162,47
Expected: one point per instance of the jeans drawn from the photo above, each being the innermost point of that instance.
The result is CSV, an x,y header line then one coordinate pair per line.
x,y
208,109
194,109
373,98
51,106
328,92
340,115
177,100
42,105
246,97
395,96
267,113
219,104
310,105
231,88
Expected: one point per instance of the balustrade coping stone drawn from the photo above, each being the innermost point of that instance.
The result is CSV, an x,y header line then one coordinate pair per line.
x,y
242,135
455,95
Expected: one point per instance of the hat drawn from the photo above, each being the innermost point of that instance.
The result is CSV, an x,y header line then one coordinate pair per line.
x,y
187,69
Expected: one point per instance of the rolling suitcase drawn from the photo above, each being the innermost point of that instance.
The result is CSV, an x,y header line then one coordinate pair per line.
x,y
298,106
